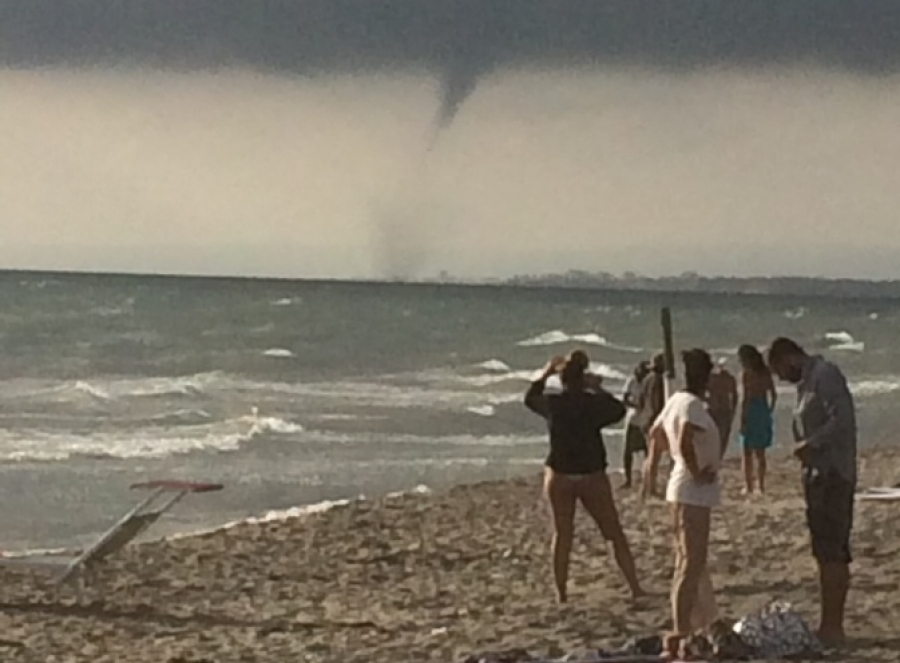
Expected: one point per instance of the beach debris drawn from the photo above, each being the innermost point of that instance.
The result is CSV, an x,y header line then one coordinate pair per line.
x,y
778,631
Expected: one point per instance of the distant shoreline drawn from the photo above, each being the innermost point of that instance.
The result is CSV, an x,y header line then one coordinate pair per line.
x,y
688,284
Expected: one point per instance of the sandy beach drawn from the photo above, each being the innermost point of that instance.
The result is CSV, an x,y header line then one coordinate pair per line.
x,y
437,577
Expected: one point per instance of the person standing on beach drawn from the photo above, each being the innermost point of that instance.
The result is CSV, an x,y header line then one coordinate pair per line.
x,y
687,430
722,400
650,403
757,405
825,435
635,442
653,394
575,469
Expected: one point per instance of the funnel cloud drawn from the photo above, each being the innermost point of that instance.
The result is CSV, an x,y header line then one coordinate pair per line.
x,y
342,138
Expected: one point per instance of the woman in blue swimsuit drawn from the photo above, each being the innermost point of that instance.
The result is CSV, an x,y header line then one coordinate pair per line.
x,y
757,426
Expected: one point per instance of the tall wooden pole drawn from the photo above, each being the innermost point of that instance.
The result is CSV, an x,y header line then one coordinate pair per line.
x,y
668,350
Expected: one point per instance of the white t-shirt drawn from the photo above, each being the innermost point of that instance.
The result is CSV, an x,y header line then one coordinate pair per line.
x,y
632,389
683,408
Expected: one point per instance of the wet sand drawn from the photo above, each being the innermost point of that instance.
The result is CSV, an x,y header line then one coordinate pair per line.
x,y
433,578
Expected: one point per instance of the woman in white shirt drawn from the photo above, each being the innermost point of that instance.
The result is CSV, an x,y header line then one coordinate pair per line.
x,y
686,429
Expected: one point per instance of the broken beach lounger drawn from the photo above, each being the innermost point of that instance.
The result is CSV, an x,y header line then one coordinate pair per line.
x,y
164,495
880,494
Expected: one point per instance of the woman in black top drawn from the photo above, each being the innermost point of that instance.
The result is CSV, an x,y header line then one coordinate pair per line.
x,y
576,466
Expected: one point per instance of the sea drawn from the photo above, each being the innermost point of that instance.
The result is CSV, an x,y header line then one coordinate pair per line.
x,y
299,394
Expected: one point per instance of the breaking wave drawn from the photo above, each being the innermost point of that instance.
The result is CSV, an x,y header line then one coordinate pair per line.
x,y
557,337
843,341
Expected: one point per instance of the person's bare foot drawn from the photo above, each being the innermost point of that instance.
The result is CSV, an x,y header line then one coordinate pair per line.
x,y
671,644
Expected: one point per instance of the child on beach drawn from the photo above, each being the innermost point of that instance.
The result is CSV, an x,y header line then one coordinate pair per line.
x,y
575,469
757,404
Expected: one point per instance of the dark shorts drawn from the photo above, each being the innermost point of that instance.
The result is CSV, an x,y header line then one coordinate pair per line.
x,y
829,515
635,442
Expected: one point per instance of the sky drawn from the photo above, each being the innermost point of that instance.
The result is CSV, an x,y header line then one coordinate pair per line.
x,y
724,166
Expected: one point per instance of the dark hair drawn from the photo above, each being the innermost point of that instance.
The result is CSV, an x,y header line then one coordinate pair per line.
x,y
572,374
784,347
581,358
642,370
697,367
752,358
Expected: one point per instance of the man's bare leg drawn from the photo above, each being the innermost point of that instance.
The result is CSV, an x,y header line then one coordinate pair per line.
x,y
834,582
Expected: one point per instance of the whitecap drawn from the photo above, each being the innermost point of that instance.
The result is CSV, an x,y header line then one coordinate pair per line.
x,y
482,410
796,314
92,391
557,337
278,352
591,339
273,425
875,387
285,301
277,515
607,372
494,365
857,346
548,338
839,337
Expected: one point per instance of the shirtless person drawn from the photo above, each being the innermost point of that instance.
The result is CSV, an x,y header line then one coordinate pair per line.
x,y
722,401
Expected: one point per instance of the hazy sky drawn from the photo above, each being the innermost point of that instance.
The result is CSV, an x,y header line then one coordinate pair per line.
x,y
740,168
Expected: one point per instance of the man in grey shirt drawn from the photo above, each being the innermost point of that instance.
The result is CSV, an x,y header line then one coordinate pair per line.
x,y
825,436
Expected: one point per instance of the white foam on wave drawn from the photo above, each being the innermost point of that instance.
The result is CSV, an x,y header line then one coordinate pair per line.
x,y
444,441
274,425
505,399
839,337
280,515
112,389
497,378
151,442
875,387
482,410
494,365
108,390
299,512
92,391
607,372
557,337
278,352
796,313
844,341
498,375
287,301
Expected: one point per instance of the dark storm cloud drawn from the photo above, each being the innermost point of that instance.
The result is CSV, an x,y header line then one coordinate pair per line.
x,y
307,36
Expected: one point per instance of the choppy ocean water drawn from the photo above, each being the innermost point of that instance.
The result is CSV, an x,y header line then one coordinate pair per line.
x,y
294,393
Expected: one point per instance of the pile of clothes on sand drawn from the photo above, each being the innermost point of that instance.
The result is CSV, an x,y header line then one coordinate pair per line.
x,y
775,632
